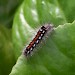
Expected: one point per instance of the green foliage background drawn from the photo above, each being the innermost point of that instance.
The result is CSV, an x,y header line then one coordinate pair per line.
x,y
19,20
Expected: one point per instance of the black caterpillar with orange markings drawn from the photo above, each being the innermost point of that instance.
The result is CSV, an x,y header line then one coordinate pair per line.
x,y
38,37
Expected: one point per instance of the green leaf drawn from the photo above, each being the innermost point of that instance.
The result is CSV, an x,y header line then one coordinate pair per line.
x,y
55,57
7,11
7,59
68,7
30,15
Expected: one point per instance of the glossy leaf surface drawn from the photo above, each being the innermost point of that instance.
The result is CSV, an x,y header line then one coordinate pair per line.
x,y
31,15
55,57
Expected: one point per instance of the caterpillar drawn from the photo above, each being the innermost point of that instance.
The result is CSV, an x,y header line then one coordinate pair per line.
x,y
47,28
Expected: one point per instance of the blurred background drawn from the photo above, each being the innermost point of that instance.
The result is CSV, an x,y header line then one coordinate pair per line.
x,y
7,58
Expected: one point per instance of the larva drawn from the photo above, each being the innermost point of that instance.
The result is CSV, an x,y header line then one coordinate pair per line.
x,y
47,28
